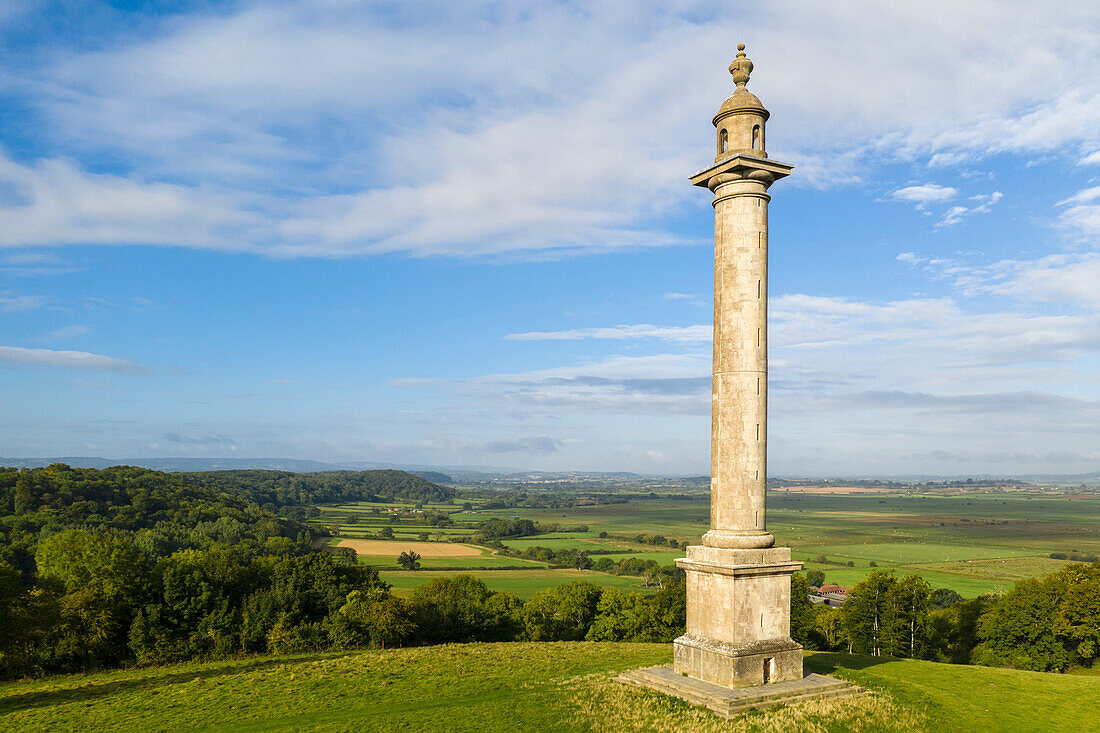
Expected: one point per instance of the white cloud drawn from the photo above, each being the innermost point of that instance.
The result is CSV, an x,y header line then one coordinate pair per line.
x,y
955,214
57,203
1088,195
81,360
331,130
685,334
924,194
11,303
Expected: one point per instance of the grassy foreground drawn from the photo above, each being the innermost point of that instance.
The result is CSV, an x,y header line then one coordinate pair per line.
x,y
526,687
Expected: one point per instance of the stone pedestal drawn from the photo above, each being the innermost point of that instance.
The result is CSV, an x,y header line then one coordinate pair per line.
x,y
738,617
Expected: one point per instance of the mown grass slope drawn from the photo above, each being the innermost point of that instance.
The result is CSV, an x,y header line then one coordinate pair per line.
x,y
526,687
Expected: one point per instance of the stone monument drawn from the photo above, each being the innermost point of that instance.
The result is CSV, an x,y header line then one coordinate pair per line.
x,y
738,636
738,584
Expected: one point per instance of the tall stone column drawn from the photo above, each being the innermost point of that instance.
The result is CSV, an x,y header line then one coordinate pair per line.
x,y
738,584
739,398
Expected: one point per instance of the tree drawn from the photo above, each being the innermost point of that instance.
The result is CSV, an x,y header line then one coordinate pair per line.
x,y
1019,630
623,617
409,560
26,619
562,613
910,600
815,578
99,583
828,627
803,617
867,614
461,608
372,618
1078,617
944,598
387,533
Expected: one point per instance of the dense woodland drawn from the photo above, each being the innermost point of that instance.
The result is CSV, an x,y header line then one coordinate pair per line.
x,y
122,565
127,565
274,489
1046,624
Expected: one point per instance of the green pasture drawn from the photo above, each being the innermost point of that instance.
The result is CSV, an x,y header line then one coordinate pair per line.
x,y
559,542
966,587
970,543
524,583
663,557
551,687
1006,570
903,553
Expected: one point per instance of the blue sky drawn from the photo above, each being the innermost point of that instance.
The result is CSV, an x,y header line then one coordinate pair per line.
x,y
462,233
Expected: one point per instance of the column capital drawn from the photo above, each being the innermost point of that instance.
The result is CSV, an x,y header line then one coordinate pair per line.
x,y
741,167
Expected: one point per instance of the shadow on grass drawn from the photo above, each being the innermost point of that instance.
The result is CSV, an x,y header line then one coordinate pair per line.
x,y
830,662
43,698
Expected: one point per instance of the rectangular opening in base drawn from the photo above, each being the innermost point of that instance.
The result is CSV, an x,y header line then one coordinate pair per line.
x,y
769,670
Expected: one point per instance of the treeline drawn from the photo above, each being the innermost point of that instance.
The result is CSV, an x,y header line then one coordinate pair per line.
x,y
521,499
649,570
460,608
502,528
1044,624
274,489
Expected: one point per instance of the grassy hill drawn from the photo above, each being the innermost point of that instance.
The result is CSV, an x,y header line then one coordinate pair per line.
x,y
526,687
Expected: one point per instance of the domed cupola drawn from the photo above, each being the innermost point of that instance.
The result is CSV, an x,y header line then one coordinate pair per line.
x,y
740,120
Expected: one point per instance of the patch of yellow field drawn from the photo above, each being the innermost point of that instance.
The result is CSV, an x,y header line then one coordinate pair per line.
x,y
832,490
870,515
424,549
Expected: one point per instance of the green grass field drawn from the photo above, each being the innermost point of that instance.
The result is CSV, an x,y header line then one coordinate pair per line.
x,y
524,583
502,688
970,543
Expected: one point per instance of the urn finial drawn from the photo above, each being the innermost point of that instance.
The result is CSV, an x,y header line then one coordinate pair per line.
x,y
741,67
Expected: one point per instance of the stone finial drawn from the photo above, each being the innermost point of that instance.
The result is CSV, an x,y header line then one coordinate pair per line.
x,y
741,67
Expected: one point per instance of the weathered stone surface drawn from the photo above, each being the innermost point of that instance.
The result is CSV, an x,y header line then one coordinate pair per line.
x,y
738,584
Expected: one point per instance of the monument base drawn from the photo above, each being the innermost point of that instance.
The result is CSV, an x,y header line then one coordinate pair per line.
x,y
738,617
759,663
726,702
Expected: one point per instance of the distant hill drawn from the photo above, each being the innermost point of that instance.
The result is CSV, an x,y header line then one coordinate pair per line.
x,y
191,464
295,465
284,488
434,476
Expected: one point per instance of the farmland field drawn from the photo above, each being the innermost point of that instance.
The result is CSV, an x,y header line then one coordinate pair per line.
x,y
972,543
391,548
524,583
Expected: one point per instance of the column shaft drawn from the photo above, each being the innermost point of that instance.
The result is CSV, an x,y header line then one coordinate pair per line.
x,y
739,410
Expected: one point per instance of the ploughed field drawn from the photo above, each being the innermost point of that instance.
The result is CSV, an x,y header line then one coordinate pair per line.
x,y
972,543
491,688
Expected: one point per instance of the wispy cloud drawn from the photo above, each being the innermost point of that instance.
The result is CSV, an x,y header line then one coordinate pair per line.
x,y
924,194
80,360
685,334
983,204
12,303
201,440
67,332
